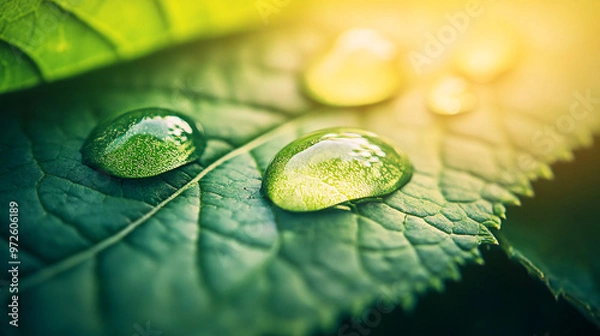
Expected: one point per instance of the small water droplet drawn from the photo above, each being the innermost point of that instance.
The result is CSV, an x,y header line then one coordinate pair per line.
x,y
143,143
487,57
451,95
359,69
329,167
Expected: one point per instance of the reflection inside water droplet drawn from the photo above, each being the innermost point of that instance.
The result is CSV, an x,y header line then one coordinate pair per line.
x,y
451,95
358,69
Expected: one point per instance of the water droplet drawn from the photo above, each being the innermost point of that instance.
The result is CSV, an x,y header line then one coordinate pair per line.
x,y
143,143
329,167
487,57
359,69
451,95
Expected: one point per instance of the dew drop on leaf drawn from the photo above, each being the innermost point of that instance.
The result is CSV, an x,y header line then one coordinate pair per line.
x,y
332,166
486,58
451,95
143,143
358,69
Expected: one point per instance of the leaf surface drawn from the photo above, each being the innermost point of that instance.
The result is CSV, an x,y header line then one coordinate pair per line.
x,y
200,250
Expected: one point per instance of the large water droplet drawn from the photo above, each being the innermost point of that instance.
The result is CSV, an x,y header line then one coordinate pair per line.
x,y
451,95
359,69
332,166
487,57
143,143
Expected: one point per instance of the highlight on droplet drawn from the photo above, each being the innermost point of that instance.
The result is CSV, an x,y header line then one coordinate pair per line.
x,y
451,95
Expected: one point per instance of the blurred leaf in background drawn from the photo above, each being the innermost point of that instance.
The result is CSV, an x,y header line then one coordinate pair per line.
x,y
553,235
42,41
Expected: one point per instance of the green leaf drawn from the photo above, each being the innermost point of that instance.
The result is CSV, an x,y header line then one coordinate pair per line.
x,y
554,235
49,40
200,250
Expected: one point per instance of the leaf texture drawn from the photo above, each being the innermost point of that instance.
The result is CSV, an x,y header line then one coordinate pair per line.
x,y
200,250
